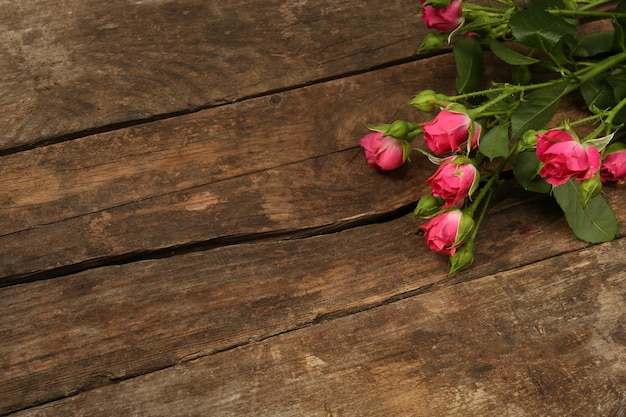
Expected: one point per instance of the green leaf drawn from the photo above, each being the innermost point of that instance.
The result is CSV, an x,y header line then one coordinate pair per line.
x,y
597,92
537,109
495,143
510,56
618,84
470,68
538,28
594,44
526,172
593,223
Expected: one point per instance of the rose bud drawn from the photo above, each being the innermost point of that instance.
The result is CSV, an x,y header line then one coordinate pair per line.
x,y
590,188
447,231
425,101
384,152
449,132
444,19
455,179
432,42
564,157
613,166
462,258
428,206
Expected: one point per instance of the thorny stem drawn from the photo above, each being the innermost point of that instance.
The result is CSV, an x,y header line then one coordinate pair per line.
x,y
614,111
490,183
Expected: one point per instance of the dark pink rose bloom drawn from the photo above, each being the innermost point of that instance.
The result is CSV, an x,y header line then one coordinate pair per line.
x,y
613,167
449,132
384,152
564,158
447,231
454,181
444,19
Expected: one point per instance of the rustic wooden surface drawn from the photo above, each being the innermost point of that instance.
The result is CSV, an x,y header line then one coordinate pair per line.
x,y
188,227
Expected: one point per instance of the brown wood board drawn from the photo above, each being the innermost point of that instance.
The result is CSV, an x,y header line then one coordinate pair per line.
x,y
263,163
541,340
63,336
53,183
70,66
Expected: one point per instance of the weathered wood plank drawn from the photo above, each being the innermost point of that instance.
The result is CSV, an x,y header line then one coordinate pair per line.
x,y
335,189
74,65
183,166
542,340
63,336
52,183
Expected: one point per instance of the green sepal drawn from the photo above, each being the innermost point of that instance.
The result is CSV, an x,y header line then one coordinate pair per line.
x,y
590,188
462,258
466,227
600,143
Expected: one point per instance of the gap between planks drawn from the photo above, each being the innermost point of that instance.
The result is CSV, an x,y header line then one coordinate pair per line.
x,y
441,285
206,245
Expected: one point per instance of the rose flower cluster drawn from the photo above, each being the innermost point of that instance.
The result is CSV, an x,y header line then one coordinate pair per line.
x,y
453,139
507,122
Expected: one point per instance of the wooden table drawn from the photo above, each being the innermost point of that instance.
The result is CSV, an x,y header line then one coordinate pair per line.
x,y
188,227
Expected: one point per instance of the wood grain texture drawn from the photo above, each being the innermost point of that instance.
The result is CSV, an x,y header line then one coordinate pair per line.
x,y
251,167
72,65
52,183
63,336
541,340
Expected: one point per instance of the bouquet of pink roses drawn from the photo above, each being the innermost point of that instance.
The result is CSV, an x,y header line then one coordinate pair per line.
x,y
506,123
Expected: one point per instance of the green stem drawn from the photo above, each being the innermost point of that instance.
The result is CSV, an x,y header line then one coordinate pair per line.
x,y
490,183
585,13
477,7
485,106
581,76
584,120
595,132
594,4
588,73
481,216
614,111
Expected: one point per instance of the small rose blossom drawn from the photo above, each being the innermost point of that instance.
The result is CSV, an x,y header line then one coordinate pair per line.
x,y
613,167
453,181
449,132
384,152
564,157
444,19
447,231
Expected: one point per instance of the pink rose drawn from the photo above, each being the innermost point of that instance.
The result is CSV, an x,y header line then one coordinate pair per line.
x,y
564,158
449,132
613,167
447,231
444,19
454,180
384,152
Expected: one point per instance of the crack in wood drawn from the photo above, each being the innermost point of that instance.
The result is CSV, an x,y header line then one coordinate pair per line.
x,y
206,245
